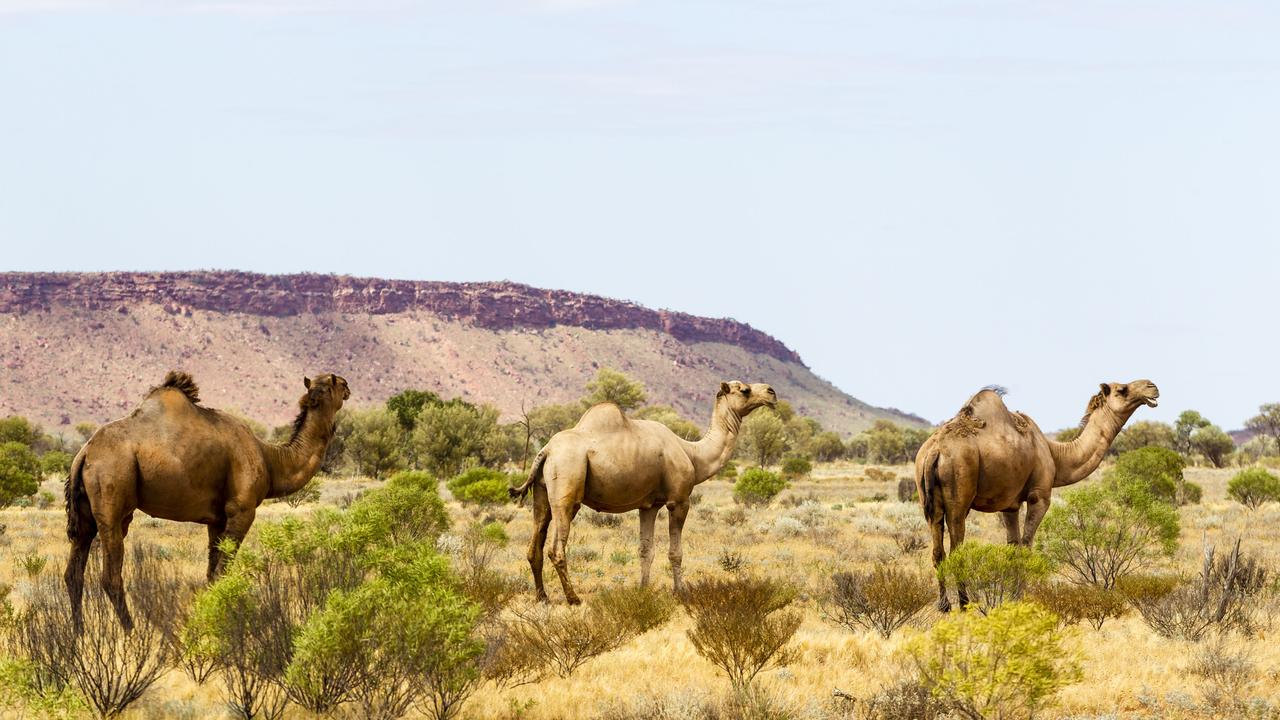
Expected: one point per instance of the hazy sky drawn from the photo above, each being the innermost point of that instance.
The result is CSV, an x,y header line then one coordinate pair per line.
x,y
921,197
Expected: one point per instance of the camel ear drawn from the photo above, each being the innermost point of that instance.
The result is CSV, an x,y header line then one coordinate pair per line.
x,y
306,381
1106,389
724,389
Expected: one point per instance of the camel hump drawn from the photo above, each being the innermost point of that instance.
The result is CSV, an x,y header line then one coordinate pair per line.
x,y
603,417
184,383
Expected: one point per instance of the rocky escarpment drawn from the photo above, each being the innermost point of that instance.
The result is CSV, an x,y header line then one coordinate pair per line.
x,y
490,305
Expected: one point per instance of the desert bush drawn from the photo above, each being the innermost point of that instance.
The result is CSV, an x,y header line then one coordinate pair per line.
x,y
19,473
448,437
729,471
883,599
602,520
1006,664
731,561
1074,602
375,436
407,509
1219,599
757,487
481,486
32,564
614,386
908,699
740,625
907,490
1226,672
876,474
108,667
909,542
56,462
1254,486
1157,469
22,689
763,437
734,516
796,466
994,574
487,588
827,446
541,641
1100,533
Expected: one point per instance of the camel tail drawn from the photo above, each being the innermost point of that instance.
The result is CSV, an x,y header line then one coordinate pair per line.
x,y
930,486
73,494
182,382
535,476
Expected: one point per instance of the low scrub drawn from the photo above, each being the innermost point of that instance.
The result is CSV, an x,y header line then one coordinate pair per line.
x,y
541,641
1220,599
994,574
1075,602
883,599
741,625
1006,664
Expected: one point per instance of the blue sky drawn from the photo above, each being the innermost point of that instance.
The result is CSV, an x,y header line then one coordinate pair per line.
x,y
920,197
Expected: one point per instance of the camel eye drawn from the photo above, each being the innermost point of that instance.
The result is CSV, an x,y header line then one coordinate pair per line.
x,y
1123,390
746,391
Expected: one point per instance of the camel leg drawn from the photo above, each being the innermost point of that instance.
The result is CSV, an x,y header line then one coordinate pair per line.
x,y
216,529
939,554
113,569
955,524
563,515
1037,506
74,575
541,520
1010,518
676,514
647,518
239,520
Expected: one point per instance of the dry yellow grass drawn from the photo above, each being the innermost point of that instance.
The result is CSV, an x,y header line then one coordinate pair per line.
x,y
1126,665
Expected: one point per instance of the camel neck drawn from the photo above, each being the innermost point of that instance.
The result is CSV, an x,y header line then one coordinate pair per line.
x,y
1076,460
292,464
716,446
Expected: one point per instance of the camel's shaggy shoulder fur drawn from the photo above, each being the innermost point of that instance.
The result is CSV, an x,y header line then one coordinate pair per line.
x,y
183,382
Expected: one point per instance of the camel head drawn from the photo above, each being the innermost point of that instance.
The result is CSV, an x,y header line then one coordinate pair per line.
x,y
326,392
1123,398
742,398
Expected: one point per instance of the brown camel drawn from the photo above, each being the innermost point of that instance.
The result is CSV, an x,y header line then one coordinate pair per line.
x,y
989,459
614,464
172,458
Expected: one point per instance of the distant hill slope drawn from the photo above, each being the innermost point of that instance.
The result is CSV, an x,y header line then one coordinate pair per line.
x,y
86,346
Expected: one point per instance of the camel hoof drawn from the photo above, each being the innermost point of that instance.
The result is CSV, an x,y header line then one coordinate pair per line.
x,y
542,598
573,600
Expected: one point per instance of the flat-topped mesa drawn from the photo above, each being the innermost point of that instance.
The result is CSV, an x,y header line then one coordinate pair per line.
x,y
491,305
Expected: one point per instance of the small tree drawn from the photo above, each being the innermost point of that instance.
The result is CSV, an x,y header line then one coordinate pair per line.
x,y
1101,533
1183,428
449,437
1157,469
1006,664
56,462
796,466
16,428
763,437
19,472
406,405
668,416
613,386
757,487
1144,433
1214,444
481,486
827,446
1254,486
1267,423
373,445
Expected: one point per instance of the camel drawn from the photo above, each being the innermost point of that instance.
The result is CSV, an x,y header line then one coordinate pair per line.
x,y
989,459
172,458
614,464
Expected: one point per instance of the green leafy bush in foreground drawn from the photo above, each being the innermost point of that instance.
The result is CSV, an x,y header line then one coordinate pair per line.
x,y
994,574
1006,664
757,486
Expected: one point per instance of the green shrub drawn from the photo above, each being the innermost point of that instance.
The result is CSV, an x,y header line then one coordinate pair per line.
x,y
481,486
1100,533
729,471
883,599
19,473
408,508
796,466
56,462
1157,469
757,486
1253,487
994,574
1006,664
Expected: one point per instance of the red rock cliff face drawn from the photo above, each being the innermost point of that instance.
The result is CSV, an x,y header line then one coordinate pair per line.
x,y
495,305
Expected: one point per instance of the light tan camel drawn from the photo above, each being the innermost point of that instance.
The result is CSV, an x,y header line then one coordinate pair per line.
x,y
172,458
615,464
989,459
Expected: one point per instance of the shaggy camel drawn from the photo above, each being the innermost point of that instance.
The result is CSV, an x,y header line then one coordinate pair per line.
x,y
615,464
989,459
174,459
